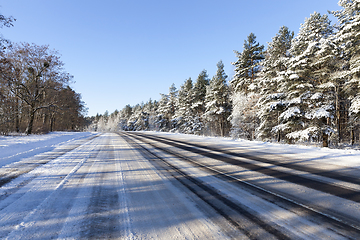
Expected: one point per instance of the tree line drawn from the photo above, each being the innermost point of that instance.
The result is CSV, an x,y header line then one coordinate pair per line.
x,y
35,96
301,88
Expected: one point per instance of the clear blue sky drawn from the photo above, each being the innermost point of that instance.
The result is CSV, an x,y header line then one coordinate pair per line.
x,y
128,51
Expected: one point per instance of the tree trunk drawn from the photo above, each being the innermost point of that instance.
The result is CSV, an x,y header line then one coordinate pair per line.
x,y
52,122
278,136
17,120
31,122
278,122
338,115
352,136
325,138
221,126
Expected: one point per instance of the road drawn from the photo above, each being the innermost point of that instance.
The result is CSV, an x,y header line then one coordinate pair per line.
x,y
147,186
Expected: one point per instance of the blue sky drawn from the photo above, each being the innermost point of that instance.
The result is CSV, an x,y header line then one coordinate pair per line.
x,y
128,51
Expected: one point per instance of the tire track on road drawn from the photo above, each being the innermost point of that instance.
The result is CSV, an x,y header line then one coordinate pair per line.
x,y
239,216
343,225
102,214
37,203
13,171
345,193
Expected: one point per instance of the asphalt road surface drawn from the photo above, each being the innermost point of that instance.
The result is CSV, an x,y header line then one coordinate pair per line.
x,y
146,186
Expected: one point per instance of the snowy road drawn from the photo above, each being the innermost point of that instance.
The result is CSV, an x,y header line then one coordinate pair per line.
x,y
153,186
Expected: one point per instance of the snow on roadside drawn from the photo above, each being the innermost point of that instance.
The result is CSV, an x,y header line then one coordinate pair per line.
x,y
15,148
340,157
43,184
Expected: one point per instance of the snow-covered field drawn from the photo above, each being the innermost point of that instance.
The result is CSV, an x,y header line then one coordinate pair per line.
x,y
89,185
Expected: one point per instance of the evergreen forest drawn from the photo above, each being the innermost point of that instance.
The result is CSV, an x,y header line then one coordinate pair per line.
x,y
301,88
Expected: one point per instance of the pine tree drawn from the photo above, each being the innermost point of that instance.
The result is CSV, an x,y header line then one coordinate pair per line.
x,y
172,104
244,85
218,106
348,39
198,104
124,116
184,114
166,109
161,121
199,93
134,122
247,65
271,80
310,96
150,108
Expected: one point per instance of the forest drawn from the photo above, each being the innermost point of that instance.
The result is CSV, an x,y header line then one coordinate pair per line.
x,y
302,88
35,92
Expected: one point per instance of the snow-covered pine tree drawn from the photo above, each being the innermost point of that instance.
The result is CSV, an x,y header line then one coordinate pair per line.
x,y
162,122
247,65
125,114
166,110
138,120
106,122
113,121
310,96
140,117
200,92
101,124
198,104
184,114
348,38
145,116
244,85
172,104
218,105
271,81
151,107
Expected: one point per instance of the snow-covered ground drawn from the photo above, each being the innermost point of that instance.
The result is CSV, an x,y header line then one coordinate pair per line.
x,y
15,148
